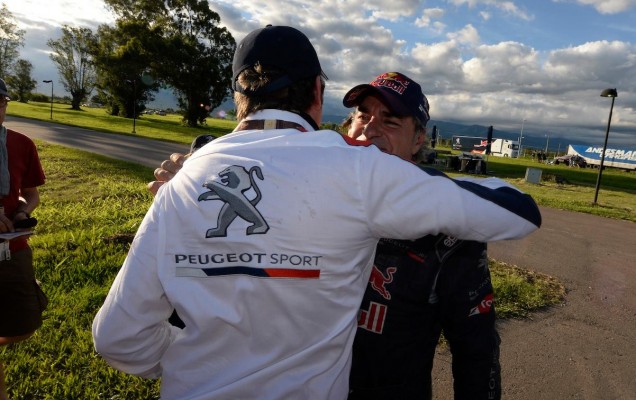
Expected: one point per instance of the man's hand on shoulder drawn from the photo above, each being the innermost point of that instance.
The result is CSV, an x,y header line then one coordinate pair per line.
x,y
167,171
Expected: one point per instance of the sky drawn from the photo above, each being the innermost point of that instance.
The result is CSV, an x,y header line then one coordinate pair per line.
x,y
531,66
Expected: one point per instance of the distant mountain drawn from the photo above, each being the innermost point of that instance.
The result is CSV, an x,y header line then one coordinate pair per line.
x,y
449,129
333,119
446,129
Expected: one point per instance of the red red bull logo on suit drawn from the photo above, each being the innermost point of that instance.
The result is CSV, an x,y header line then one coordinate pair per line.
x,y
378,281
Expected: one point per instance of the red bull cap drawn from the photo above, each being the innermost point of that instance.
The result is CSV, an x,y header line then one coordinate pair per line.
x,y
402,94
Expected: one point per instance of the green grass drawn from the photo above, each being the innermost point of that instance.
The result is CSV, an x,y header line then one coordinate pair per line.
x,y
92,205
168,127
519,292
88,203
616,197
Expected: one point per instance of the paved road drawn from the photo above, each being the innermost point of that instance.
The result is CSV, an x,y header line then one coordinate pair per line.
x,y
585,349
129,148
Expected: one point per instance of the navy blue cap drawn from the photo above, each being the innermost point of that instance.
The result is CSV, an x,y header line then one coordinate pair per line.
x,y
3,88
281,47
402,94
200,141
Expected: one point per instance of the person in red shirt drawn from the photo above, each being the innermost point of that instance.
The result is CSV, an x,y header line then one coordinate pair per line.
x,y
21,299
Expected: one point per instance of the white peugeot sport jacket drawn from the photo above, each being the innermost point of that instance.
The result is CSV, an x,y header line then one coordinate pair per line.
x,y
263,244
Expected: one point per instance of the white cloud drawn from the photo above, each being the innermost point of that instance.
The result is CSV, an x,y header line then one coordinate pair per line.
x,y
467,35
508,7
393,11
437,67
485,15
609,6
33,13
507,66
428,15
594,65
468,76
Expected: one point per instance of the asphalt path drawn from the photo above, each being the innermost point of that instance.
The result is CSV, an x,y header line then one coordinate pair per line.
x,y
585,349
136,149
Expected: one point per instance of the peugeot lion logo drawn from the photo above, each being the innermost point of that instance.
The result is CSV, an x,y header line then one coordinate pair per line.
x,y
234,182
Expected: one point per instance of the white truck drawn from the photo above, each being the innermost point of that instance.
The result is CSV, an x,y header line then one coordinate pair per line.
x,y
498,147
504,148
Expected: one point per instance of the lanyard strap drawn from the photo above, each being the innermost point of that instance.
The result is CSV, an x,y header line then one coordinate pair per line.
x,y
264,124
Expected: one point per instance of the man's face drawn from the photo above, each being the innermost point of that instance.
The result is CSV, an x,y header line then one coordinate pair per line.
x,y
375,122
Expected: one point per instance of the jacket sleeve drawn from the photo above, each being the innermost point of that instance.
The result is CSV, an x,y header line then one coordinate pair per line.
x,y
467,311
403,201
131,330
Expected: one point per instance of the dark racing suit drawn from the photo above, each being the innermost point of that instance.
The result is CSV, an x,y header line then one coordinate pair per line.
x,y
416,290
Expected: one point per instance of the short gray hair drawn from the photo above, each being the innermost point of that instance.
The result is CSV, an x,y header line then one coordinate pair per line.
x,y
424,151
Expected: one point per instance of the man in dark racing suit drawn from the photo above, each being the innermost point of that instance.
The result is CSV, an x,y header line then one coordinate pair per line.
x,y
417,289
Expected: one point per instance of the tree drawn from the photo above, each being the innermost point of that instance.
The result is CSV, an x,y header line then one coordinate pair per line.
x,y
11,38
21,82
72,56
330,126
189,52
201,68
122,58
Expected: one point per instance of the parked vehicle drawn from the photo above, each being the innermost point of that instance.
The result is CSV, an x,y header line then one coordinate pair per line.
x,y
498,147
504,148
571,160
616,157
470,144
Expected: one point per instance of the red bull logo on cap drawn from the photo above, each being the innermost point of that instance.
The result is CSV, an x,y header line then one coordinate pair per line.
x,y
392,80
353,94
393,76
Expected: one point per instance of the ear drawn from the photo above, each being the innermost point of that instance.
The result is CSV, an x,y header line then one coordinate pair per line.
x,y
315,109
318,90
420,139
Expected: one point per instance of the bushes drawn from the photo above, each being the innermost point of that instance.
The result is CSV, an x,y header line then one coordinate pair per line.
x,y
39,97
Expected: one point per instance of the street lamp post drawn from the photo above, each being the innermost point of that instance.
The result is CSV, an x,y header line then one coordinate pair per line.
x,y
134,105
521,137
613,94
51,82
134,83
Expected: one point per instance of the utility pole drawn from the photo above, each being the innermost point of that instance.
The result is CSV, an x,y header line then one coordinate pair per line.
x,y
51,82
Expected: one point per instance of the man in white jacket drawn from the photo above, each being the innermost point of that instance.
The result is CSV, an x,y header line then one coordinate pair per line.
x,y
263,243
